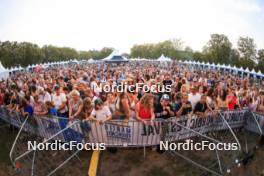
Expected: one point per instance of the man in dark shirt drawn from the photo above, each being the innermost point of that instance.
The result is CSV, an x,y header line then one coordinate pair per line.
x,y
201,107
163,109
184,107
167,83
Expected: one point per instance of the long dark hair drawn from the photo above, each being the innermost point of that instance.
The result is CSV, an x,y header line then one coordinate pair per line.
x,y
223,94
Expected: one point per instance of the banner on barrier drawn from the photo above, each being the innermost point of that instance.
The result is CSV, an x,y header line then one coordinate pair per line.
x,y
134,133
137,133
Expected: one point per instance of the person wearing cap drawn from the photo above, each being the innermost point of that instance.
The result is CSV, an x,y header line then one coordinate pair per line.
x,y
164,109
100,113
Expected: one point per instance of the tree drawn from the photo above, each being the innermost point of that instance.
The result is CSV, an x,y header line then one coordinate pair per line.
x,y
260,55
198,56
25,53
247,48
234,57
261,65
170,48
218,49
260,59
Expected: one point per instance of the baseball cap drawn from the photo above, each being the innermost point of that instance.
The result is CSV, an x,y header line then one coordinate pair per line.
x,y
98,101
165,97
56,87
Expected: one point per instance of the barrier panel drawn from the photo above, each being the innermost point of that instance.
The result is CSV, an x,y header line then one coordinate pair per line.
x,y
134,133
217,127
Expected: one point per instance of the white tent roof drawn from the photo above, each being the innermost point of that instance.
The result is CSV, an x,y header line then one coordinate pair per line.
x,y
114,53
4,73
253,71
91,60
2,68
247,70
162,58
241,69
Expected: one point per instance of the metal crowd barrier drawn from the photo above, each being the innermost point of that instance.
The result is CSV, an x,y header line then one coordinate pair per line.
x,y
217,127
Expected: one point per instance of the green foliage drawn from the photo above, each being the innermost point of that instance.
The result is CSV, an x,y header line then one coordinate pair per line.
x,y
260,55
170,48
261,66
218,49
25,53
247,48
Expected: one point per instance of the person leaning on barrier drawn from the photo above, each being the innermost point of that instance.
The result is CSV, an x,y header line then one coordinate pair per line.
x,y
2,96
261,102
100,113
110,101
222,103
184,107
194,96
201,108
52,111
40,108
144,108
25,108
232,99
164,109
122,107
13,102
59,100
87,108
75,104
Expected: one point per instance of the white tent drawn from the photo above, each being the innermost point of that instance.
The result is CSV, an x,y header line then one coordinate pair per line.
x,y
247,70
260,74
253,72
4,73
162,58
213,65
241,69
91,61
114,53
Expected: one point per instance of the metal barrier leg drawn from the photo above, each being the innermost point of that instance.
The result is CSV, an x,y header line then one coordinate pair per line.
x,y
144,150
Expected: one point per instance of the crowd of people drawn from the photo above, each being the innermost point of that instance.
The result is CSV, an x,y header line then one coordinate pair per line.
x,y
77,91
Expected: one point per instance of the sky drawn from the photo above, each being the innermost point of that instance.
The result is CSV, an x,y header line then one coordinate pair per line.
x,y
93,24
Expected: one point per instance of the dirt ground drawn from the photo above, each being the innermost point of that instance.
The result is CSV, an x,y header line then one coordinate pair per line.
x,y
132,163
129,162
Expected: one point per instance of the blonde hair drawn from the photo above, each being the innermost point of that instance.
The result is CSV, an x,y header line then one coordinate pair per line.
x,y
144,101
74,92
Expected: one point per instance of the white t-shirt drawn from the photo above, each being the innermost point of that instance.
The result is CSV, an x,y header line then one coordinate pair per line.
x,y
58,100
46,97
101,114
194,99
95,88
